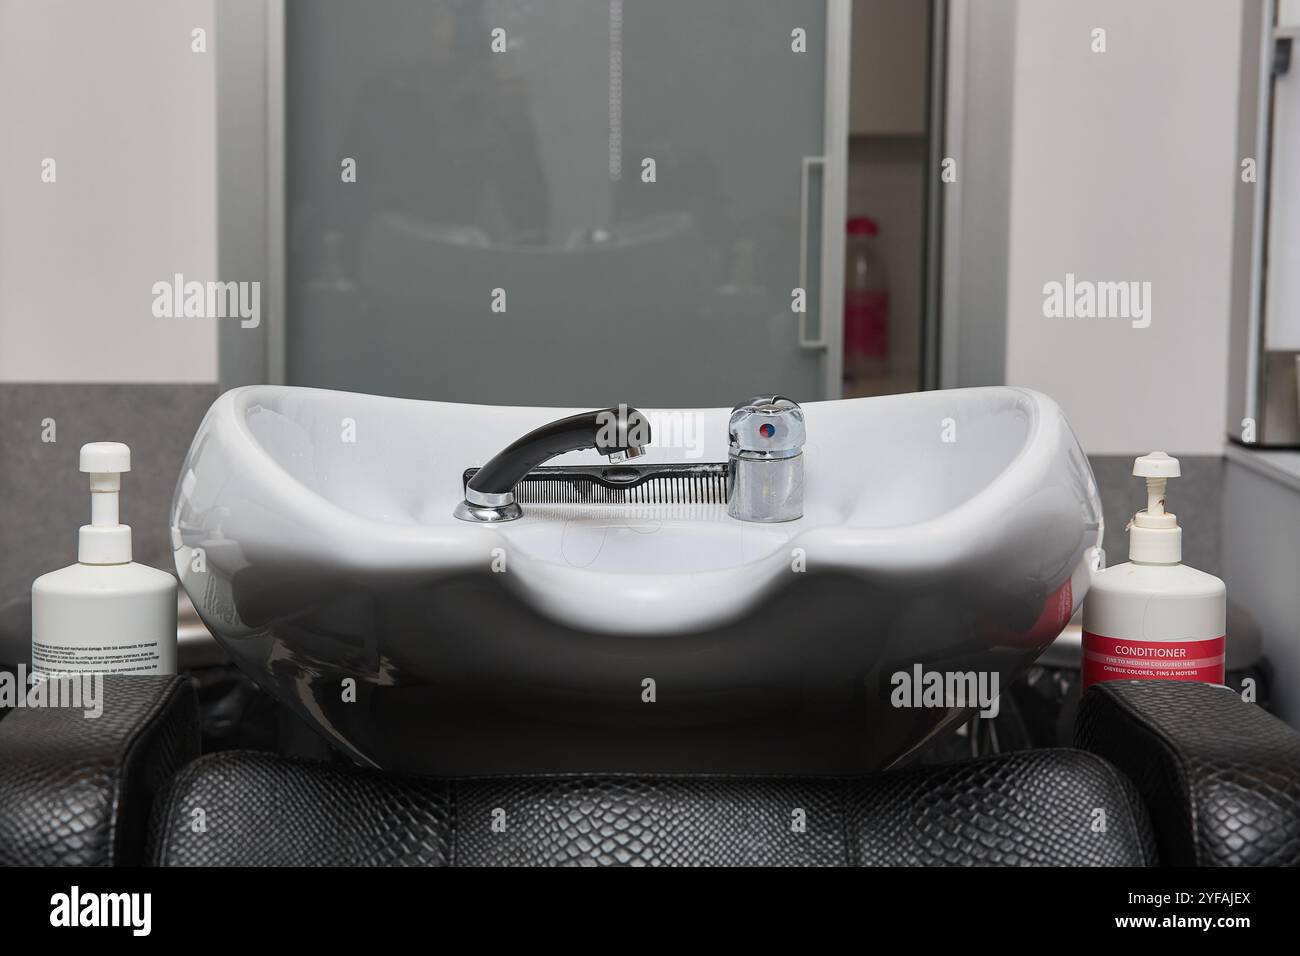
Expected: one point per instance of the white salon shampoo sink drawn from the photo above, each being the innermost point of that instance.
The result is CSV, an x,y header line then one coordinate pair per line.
x,y
946,533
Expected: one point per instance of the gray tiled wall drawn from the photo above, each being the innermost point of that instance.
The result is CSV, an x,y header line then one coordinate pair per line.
x,y
43,496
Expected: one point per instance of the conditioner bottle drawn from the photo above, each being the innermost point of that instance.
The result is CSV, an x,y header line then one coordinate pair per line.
x,y
1153,618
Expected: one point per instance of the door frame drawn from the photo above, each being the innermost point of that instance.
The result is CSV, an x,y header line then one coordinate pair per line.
x,y
251,183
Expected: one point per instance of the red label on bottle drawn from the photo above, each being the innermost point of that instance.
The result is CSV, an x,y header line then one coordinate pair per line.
x,y
1111,658
866,323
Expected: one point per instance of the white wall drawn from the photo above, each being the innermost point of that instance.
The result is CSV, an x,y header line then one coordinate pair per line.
x,y
1123,168
111,92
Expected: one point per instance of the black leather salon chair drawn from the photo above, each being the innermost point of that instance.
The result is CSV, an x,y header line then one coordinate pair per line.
x,y
1162,773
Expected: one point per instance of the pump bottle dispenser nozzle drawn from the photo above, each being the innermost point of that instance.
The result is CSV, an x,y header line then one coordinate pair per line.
x,y
1154,535
104,540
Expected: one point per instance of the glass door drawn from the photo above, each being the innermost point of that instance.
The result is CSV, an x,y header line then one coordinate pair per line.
x,y
570,202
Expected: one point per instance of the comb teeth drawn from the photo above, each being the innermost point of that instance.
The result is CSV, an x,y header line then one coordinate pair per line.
x,y
651,485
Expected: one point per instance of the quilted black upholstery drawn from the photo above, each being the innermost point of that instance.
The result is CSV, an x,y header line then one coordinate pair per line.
x,y
1038,807
1035,807
238,808
1221,777
77,791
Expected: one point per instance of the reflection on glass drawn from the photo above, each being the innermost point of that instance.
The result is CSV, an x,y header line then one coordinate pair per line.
x,y
575,202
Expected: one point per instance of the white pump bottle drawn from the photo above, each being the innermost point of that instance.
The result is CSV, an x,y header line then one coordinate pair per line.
x,y
1154,618
105,614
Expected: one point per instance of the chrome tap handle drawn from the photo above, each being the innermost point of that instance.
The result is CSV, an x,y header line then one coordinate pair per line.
x,y
766,427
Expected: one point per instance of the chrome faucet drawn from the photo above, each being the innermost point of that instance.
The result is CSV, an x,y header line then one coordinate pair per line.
x,y
617,433
765,460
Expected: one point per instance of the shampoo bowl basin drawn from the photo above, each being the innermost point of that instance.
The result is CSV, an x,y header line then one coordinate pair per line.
x,y
947,533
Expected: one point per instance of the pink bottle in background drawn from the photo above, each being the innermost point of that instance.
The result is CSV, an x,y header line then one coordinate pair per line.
x,y
866,303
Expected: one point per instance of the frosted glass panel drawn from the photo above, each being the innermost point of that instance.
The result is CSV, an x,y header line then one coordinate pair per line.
x,y
499,243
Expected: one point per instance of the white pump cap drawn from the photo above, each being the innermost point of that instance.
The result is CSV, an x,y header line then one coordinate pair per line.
x,y
1153,535
104,540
